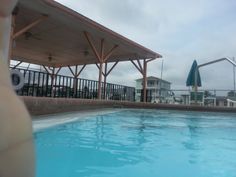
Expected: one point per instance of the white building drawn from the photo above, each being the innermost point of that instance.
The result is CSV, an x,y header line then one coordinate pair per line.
x,y
157,89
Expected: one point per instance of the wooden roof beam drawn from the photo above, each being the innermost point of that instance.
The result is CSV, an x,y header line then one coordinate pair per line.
x,y
76,73
151,60
140,66
72,72
59,69
137,67
80,71
29,26
46,69
112,68
99,69
91,43
52,70
110,53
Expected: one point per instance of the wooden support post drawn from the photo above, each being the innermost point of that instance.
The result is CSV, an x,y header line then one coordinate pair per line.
x,y
53,73
52,81
105,81
13,23
144,80
101,57
101,73
75,81
76,75
99,68
143,71
100,81
105,74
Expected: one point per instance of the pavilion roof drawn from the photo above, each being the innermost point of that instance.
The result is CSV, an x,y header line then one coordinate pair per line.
x,y
58,36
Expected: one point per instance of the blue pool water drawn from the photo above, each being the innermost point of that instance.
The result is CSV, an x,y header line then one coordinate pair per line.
x,y
140,143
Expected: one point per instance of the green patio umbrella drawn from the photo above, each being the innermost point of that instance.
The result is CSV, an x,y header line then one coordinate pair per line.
x,y
191,76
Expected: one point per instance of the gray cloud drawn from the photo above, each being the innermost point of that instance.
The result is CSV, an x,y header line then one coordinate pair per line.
x,y
180,30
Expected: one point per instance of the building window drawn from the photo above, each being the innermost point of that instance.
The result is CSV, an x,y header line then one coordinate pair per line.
x,y
150,83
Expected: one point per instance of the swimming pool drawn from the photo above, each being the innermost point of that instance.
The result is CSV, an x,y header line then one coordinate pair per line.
x,y
140,143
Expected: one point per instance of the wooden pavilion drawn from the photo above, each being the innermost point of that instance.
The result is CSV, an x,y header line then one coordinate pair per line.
x,y
47,33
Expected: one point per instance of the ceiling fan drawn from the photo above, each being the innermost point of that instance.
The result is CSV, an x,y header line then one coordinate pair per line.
x,y
27,36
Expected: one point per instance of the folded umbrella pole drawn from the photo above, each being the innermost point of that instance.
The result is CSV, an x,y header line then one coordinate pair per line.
x,y
194,78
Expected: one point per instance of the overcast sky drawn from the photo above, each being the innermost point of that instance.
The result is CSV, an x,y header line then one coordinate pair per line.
x,y
181,31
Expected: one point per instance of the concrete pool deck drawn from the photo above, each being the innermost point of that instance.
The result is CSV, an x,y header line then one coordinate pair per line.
x,y
44,106
47,121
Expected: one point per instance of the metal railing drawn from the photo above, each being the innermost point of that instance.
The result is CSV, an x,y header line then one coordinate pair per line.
x,y
210,97
207,97
41,84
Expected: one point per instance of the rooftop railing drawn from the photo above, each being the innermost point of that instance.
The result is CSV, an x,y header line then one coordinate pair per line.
x,y
42,84
205,97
